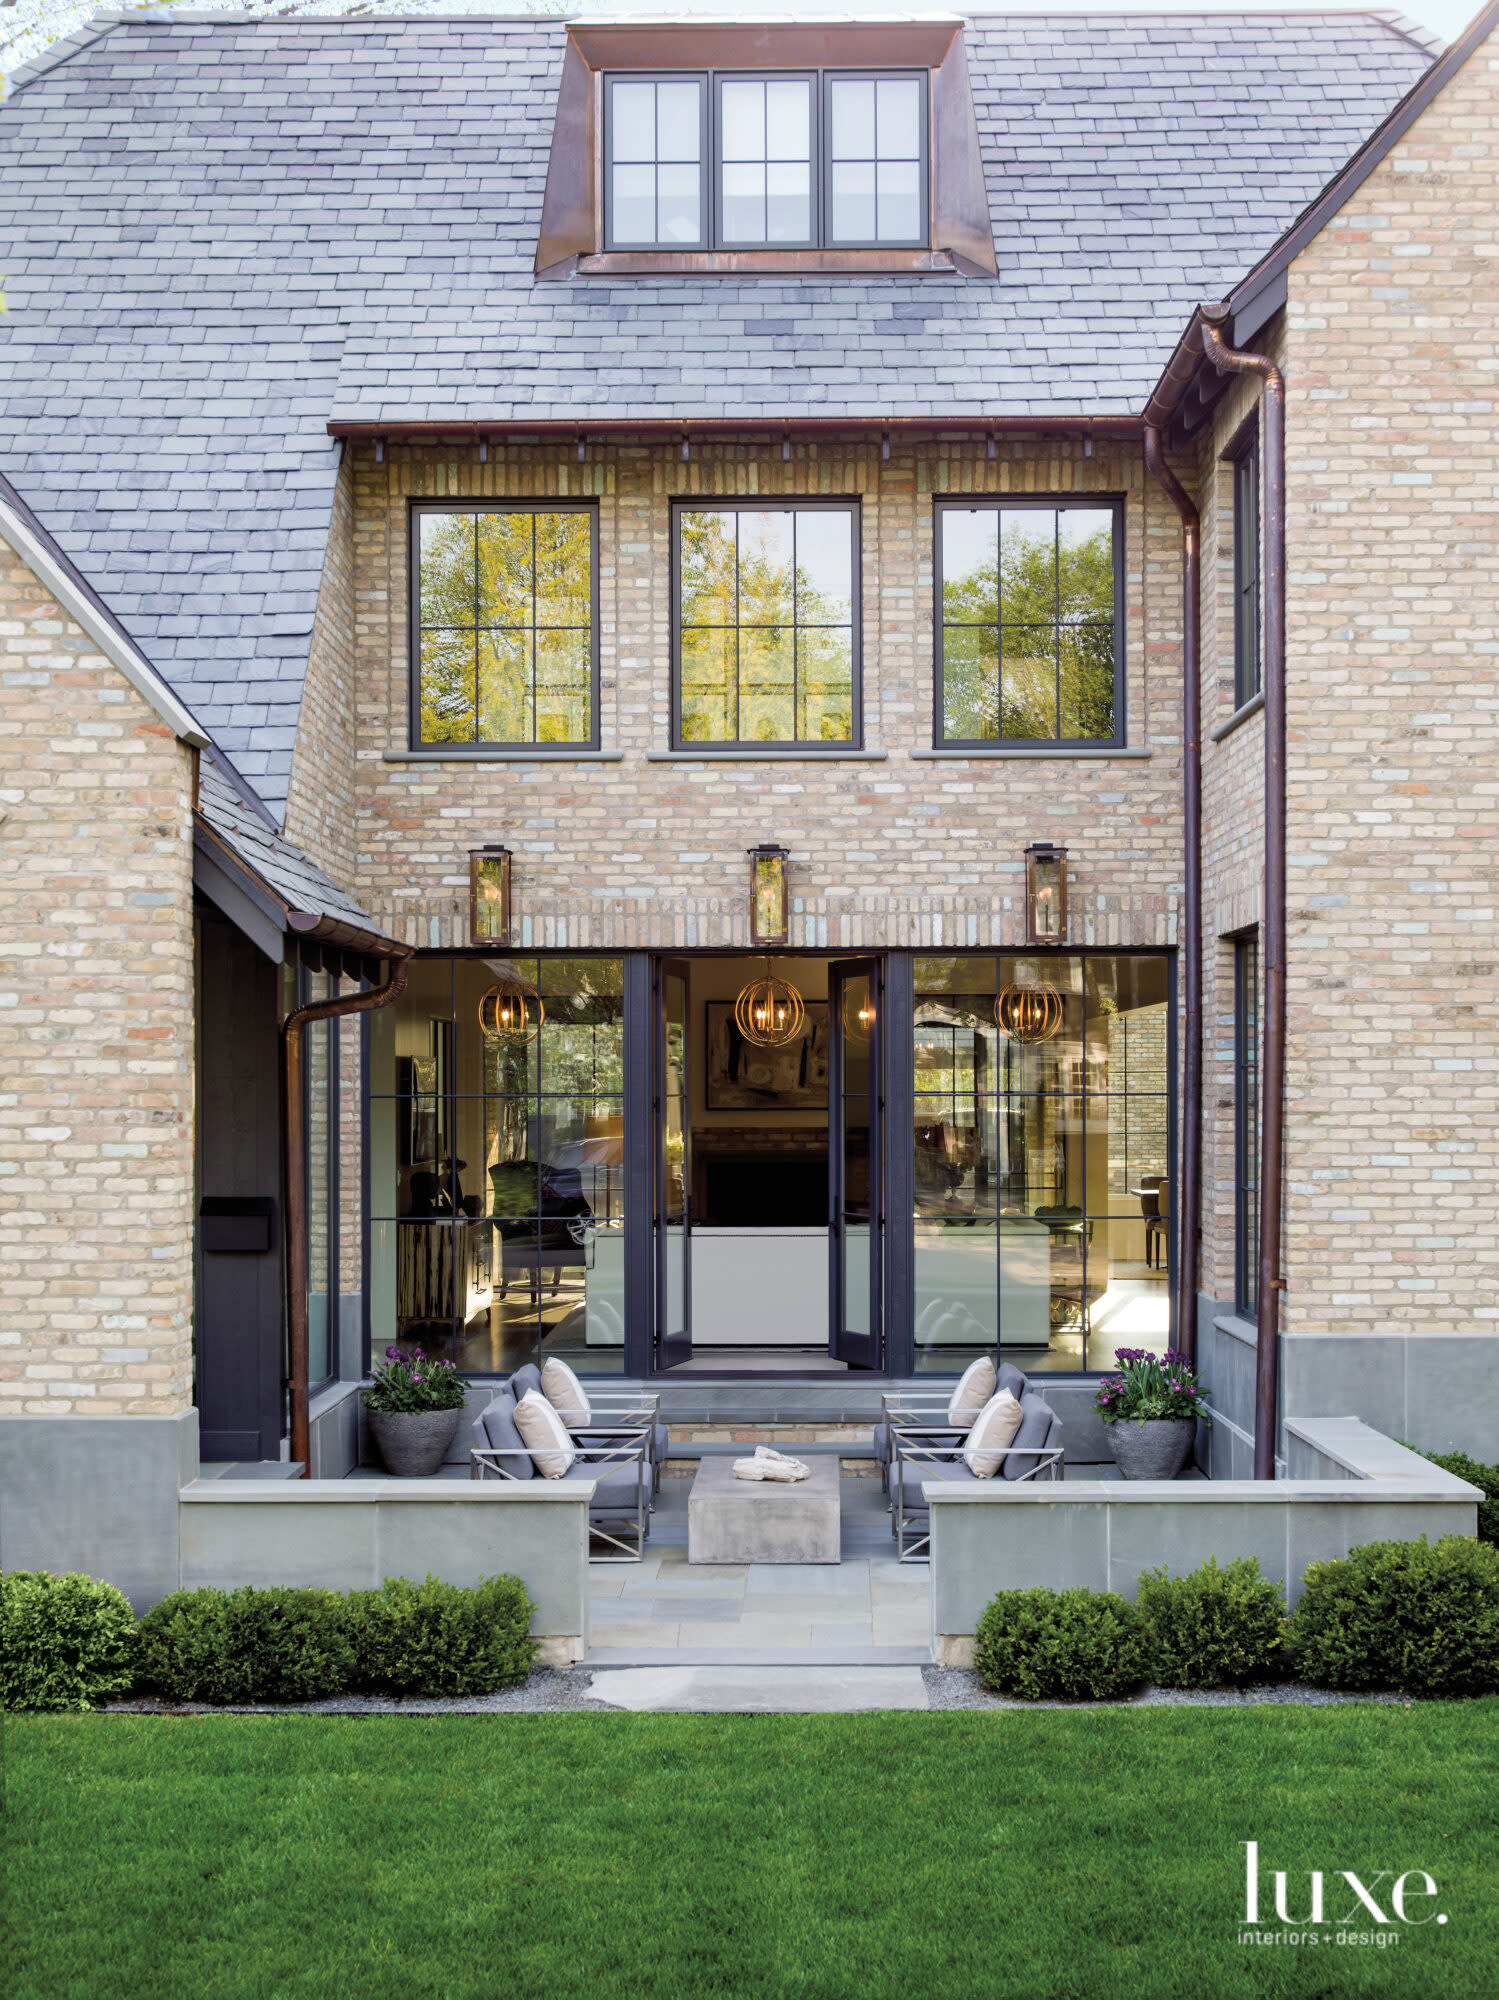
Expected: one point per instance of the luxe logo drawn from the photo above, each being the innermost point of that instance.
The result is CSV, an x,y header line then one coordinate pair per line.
x,y
1401,1895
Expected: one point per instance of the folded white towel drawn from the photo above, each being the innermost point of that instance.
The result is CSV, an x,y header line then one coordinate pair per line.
x,y
771,1465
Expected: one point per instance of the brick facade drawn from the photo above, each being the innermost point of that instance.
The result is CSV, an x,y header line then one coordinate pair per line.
x,y
1392,1165
646,853
96,1028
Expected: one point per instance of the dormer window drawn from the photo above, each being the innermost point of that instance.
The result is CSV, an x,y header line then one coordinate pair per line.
x,y
798,162
734,150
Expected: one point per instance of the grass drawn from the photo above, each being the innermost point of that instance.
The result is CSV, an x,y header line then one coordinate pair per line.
x,y
884,1857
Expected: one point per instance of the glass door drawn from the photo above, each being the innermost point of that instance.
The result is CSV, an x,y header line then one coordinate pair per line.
x,y
855,1180
673,1168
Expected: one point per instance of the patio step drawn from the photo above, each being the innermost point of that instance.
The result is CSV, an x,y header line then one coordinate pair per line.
x,y
608,1657
745,1688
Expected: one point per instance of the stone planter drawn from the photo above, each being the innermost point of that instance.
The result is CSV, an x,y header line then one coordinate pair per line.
x,y
414,1443
1156,1449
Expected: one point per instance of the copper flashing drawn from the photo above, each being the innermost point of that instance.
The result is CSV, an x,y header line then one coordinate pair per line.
x,y
645,430
570,240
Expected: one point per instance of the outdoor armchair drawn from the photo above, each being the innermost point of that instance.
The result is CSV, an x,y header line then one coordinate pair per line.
x,y
927,1410
614,1412
618,1513
917,1459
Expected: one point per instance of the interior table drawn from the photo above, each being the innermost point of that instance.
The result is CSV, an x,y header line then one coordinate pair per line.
x,y
733,1520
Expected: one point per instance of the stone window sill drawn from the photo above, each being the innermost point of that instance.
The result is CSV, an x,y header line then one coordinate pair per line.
x,y
790,755
1018,752
1251,707
498,756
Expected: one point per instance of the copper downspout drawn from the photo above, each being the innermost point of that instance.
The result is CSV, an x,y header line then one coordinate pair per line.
x,y
1190,1207
1273,1038
296,1186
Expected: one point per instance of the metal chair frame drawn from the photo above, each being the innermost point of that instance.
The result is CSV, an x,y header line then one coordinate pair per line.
x,y
625,1412
914,1544
484,1463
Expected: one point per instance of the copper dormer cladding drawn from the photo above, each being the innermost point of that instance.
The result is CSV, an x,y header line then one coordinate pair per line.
x,y
571,241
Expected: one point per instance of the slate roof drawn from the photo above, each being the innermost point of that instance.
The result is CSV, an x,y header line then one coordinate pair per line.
x,y
227,232
231,812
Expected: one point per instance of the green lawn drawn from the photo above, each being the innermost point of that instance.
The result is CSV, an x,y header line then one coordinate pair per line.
x,y
1039,1855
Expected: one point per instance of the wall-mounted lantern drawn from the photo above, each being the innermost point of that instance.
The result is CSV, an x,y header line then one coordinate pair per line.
x,y
770,922
489,895
1045,894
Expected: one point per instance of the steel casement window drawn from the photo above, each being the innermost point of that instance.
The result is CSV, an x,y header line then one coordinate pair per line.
x,y
1029,620
766,623
1246,1122
1246,525
767,159
504,625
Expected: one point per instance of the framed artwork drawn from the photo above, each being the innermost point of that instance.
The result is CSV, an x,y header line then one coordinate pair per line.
x,y
744,1077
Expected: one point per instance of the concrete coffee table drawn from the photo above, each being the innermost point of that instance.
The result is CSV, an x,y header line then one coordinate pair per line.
x,y
733,1520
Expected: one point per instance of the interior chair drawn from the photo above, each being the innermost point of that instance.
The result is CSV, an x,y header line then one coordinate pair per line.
x,y
1151,1187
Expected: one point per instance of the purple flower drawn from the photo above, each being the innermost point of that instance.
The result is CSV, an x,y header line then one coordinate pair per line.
x,y
393,1354
416,1378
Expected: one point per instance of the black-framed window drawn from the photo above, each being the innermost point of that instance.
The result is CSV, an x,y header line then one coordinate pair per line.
x,y
1030,620
798,159
504,624
1246,470
1246,1122
656,144
766,616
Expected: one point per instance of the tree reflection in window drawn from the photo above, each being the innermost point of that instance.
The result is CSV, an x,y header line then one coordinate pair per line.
x,y
505,625
1029,640
767,624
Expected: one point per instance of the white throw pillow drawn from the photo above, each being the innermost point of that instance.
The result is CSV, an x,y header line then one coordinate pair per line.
x,y
566,1395
994,1432
544,1435
974,1389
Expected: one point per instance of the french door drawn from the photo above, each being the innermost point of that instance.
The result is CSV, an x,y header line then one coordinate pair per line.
x,y
673,1166
856,1010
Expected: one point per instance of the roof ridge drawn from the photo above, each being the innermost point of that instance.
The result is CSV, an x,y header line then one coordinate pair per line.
x,y
60,52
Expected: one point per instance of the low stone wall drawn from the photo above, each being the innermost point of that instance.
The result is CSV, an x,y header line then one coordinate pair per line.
x,y
1348,1485
352,1534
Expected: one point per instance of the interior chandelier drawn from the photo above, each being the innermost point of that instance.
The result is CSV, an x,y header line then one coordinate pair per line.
x,y
511,1011
770,1011
858,1011
1028,1013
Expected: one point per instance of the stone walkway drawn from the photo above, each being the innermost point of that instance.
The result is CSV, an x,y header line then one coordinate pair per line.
x,y
871,1611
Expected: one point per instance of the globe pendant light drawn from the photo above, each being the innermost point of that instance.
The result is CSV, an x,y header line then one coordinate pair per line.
x,y
511,1012
1028,1014
769,1011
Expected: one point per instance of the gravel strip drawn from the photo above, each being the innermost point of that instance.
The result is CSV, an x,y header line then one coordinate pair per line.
x,y
566,1691
548,1691
960,1687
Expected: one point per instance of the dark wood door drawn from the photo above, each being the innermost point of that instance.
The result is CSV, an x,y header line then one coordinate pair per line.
x,y
238,1342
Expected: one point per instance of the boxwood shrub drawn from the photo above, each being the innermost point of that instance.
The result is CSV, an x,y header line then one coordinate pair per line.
x,y
1061,1645
1215,1627
65,1641
437,1638
1405,1615
246,1645
1485,1477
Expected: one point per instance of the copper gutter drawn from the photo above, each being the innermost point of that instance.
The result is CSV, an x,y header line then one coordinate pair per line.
x,y
1190,1206
1273,1038
295,1170
645,429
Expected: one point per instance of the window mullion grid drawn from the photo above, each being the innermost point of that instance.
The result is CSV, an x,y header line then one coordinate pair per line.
x,y
1056,638
738,634
531,634
475,736
796,717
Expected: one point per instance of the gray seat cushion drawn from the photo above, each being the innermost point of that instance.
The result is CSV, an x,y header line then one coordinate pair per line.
x,y
617,1488
911,1472
495,1428
880,1439
1037,1420
1011,1378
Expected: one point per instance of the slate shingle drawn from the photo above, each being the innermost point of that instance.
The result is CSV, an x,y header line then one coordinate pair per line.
x,y
225,232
